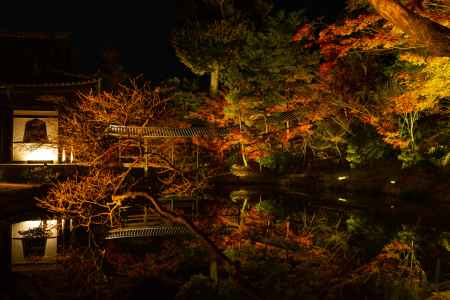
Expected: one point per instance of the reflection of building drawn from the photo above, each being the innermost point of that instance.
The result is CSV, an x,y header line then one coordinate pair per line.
x,y
34,84
34,241
35,135
37,79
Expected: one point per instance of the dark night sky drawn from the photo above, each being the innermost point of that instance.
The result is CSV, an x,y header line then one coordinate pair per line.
x,y
141,34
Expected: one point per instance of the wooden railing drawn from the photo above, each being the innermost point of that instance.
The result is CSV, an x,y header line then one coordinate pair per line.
x,y
141,221
157,132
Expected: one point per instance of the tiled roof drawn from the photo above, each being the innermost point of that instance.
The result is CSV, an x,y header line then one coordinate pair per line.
x,y
132,131
135,131
146,231
50,84
34,35
283,116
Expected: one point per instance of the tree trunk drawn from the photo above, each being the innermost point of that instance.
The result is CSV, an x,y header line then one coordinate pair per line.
x,y
214,83
434,36
244,158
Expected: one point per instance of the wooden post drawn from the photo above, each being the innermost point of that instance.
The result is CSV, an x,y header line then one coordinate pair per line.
x,y
288,227
172,151
145,214
213,271
287,135
197,149
214,81
146,156
72,155
266,125
120,152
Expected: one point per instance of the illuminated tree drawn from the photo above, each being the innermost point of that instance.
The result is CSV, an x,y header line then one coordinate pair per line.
x,y
83,124
84,130
209,48
433,35
271,73
391,83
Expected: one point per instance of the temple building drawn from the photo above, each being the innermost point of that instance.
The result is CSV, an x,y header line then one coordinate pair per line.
x,y
38,78
38,75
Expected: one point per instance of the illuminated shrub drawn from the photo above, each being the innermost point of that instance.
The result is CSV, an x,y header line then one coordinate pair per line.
x,y
364,147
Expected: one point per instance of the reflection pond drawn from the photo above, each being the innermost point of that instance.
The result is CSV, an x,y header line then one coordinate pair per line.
x,y
367,224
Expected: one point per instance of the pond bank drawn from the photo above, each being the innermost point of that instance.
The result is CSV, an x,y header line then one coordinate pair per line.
x,y
416,185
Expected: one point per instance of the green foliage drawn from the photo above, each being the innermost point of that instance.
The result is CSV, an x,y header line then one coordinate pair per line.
x,y
265,207
239,196
267,162
279,161
233,158
328,139
439,155
184,95
366,238
442,295
407,235
353,156
364,146
355,225
444,240
409,157
202,46
271,68
231,253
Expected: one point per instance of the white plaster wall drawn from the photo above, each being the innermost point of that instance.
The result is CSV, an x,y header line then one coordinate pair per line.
x,y
35,151
17,256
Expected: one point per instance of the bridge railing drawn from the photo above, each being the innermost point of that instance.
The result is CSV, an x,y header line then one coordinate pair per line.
x,y
143,215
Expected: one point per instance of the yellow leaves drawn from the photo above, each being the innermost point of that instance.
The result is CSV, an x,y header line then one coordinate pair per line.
x,y
336,139
424,88
370,119
320,112
412,58
437,76
404,103
410,102
419,91
445,295
397,246
393,138
305,127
